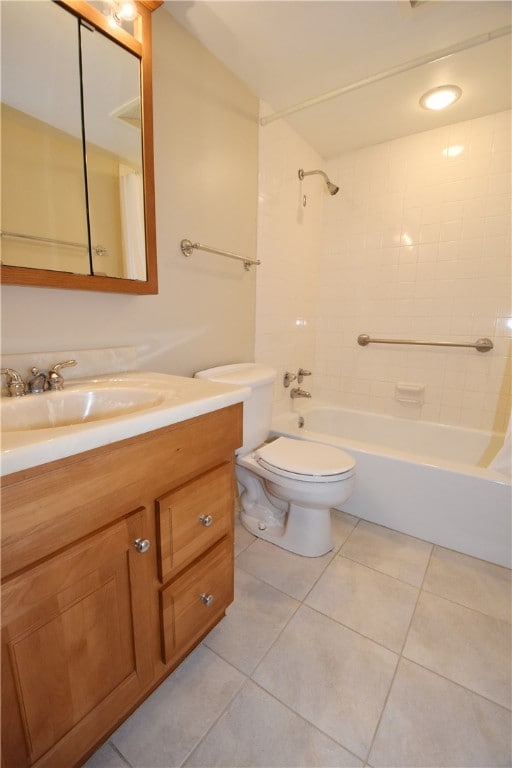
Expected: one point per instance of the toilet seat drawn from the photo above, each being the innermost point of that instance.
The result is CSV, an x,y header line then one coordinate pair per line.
x,y
306,461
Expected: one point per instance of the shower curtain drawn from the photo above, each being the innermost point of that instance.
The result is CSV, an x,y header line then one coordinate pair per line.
x,y
502,462
132,223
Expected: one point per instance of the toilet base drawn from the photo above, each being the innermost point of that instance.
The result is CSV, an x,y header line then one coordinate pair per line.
x,y
297,533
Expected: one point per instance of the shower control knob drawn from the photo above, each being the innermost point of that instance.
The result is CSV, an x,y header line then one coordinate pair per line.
x,y
206,599
206,520
301,373
142,545
288,378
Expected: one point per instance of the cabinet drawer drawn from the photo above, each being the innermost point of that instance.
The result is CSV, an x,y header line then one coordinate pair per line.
x,y
195,600
192,518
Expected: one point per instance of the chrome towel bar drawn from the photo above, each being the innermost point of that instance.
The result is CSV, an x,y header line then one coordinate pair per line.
x,y
188,247
99,250
481,345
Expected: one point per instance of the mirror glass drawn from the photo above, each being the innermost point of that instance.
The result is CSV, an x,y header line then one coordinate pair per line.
x,y
113,143
74,174
43,213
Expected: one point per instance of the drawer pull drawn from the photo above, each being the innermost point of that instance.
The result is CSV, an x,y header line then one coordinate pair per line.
x,y
206,599
206,520
142,545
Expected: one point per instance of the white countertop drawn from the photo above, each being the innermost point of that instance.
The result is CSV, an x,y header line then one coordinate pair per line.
x,y
179,398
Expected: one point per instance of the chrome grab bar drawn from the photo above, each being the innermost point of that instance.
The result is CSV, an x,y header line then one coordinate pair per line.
x,y
481,345
188,247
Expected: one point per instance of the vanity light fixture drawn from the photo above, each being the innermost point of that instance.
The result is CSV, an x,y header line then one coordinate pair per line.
x,y
441,97
120,10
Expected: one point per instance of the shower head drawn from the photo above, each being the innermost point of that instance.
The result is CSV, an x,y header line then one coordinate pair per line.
x,y
332,188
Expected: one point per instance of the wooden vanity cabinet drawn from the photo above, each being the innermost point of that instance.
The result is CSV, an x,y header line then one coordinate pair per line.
x,y
194,529
92,618
74,648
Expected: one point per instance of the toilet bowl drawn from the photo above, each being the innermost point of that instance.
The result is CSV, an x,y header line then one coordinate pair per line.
x,y
287,486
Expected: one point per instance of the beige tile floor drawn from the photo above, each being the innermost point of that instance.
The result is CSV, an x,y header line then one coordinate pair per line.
x,y
387,651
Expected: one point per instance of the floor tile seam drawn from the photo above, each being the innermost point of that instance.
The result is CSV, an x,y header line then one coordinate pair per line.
x,y
335,553
267,583
418,597
383,709
249,674
321,573
294,597
245,548
223,711
400,533
355,631
118,752
376,570
468,607
399,659
355,527
457,683
305,719
274,641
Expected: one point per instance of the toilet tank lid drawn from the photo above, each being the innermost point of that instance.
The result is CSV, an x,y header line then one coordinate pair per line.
x,y
247,374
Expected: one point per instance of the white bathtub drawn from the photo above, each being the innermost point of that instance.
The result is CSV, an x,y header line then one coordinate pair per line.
x,y
427,480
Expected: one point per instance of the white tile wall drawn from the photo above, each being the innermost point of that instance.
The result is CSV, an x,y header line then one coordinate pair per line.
x,y
415,245
289,243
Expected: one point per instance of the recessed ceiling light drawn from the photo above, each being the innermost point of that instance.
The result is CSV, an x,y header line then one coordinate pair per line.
x,y
441,97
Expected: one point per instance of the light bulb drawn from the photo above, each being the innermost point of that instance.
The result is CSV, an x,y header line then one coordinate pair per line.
x,y
127,10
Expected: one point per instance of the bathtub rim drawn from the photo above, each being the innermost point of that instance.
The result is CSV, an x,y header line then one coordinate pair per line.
x,y
285,423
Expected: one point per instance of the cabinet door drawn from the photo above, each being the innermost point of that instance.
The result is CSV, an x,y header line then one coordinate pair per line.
x,y
196,599
192,518
75,652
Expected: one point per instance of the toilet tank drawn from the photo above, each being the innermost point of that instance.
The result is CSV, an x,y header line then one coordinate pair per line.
x,y
258,408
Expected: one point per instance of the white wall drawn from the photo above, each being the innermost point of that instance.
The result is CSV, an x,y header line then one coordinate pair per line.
x,y
415,245
206,145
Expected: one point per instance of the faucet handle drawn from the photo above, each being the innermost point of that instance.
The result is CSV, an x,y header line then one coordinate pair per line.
x,y
288,378
301,373
54,377
15,383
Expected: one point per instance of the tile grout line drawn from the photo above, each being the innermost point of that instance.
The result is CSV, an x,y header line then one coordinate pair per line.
x,y
305,719
400,657
223,711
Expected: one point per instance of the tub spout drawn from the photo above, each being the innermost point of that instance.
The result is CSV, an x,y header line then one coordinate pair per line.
x,y
299,392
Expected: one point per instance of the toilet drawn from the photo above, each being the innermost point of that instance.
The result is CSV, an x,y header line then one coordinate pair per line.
x,y
287,486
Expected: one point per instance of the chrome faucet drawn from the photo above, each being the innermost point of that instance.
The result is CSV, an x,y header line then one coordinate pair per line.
x,y
15,383
38,383
55,380
299,392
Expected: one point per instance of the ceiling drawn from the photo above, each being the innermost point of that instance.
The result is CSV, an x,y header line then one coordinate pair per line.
x,y
289,51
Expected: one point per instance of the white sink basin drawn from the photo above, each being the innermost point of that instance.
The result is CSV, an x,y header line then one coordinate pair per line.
x,y
68,407
88,414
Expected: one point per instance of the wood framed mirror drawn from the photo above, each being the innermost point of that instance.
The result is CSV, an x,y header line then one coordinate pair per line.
x,y
78,202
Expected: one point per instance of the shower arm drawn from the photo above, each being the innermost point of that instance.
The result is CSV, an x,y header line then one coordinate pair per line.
x,y
310,173
331,188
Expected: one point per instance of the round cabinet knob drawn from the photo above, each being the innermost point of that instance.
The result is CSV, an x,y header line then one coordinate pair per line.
x,y
206,599
206,520
142,545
